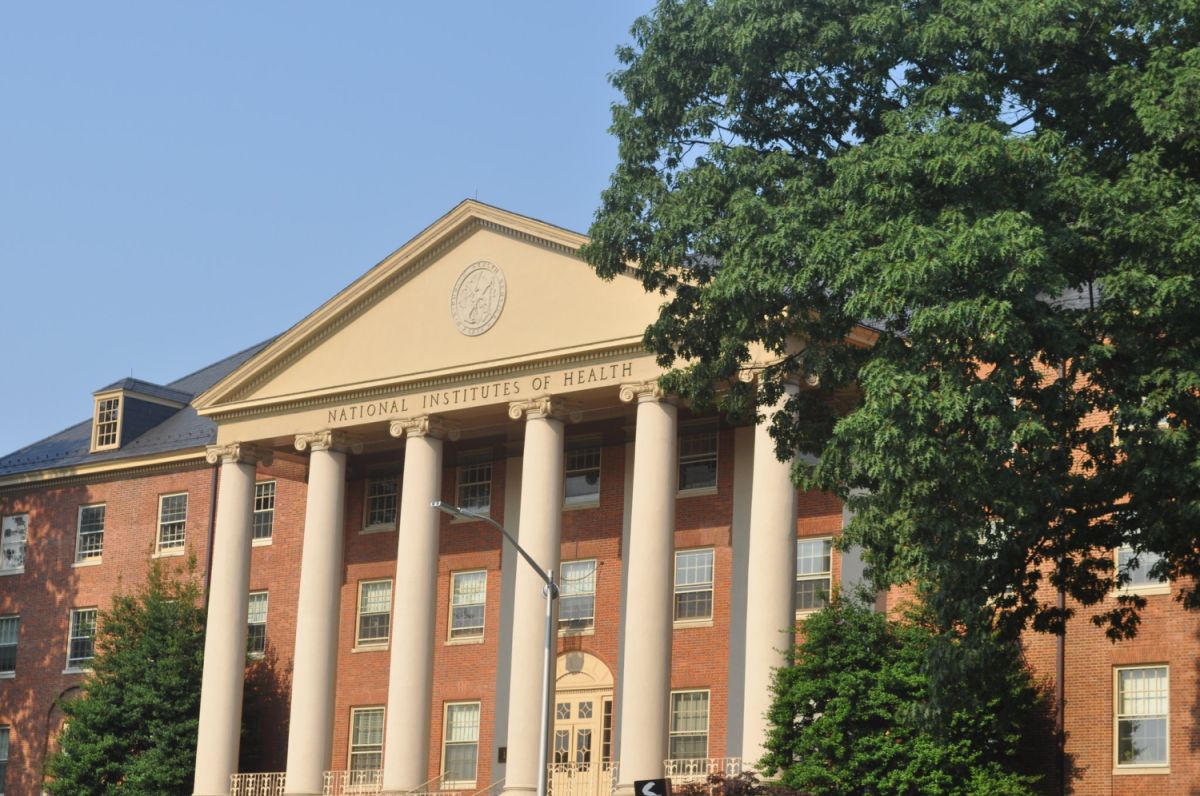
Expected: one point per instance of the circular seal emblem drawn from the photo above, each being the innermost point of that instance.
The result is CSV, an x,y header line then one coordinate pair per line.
x,y
477,298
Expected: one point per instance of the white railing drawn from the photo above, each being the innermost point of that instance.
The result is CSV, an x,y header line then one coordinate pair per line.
x,y
581,779
698,769
338,783
270,784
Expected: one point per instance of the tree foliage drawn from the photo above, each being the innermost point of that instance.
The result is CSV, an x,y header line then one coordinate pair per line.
x,y
848,718
1006,193
133,731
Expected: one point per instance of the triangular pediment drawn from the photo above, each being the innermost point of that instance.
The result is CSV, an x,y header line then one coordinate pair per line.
x,y
481,290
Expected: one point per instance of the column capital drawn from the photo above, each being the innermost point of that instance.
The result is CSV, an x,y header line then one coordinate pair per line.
x,y
423,426
545,406
644,391
327,440
237,453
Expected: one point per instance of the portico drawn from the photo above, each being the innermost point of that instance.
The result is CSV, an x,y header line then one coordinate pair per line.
x,y
484,362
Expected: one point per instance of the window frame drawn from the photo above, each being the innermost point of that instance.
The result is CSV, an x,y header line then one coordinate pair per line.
x,y
5,741
457,784
173,550
467,461
90,557
16,569
473,638
7,674
711,588
259,511
372,643
99,406
563,586
81,664
826,575
672,733
1140,768
394,495
266,599
1148,588
353,749
583,448
697,431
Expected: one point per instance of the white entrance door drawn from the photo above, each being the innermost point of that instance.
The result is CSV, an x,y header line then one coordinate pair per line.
x,y
581,745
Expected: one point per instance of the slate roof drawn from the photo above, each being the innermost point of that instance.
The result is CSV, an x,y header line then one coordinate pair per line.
x,y
182,430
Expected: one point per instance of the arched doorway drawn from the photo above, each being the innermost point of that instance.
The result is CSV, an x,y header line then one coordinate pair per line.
x,y
581,742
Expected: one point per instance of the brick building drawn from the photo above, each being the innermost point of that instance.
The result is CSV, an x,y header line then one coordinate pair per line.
x,y
394,648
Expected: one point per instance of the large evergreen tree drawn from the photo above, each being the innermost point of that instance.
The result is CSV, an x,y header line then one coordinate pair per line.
x,y
1006,192
133,730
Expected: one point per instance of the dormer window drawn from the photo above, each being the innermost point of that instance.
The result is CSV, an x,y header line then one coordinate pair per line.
x,y
129,408
106,429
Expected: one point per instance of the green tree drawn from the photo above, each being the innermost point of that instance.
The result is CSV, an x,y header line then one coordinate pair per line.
x,y
1005,193
133,730
847,716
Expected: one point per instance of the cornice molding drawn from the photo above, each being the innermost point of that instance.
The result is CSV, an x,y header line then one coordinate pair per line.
x,y
237,453
545,406
328,440
55,479
425,425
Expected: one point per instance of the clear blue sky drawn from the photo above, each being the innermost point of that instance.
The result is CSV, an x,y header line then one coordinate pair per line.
x,y
150,152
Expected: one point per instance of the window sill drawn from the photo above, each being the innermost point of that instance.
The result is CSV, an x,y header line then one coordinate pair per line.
x,y
14,571
77,670
468,520
1160,768
256,656
683,624
459,642
586,631
89,562
1146,591
458,786
583,504
369,529
371,647
8,675
168,553
266,542
698,491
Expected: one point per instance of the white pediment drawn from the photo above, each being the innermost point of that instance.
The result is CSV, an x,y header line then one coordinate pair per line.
x,y
478,290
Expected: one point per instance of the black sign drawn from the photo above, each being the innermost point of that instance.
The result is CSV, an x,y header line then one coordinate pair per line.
x,y
652,787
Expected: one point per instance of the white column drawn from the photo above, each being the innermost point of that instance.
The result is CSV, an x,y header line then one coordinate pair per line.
x,y
225,635
414,600
647,611
314,673
539,533
770,594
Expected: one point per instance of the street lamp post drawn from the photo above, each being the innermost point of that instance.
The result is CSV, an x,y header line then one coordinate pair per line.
x,y
551,592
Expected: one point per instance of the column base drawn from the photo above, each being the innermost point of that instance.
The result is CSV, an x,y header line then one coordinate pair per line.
x,y
623,789
518,790
301,793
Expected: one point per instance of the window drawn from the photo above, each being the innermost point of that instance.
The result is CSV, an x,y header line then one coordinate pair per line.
x,y
8,645
475,483
256,624
89,539
813,573
374,612
1141,716
693,585
264,510
172,522
460,749
81,644
689,725
3,758
1137,566
698,460
106,426
382,494
468,596
582,476
366,741
577,595
14,531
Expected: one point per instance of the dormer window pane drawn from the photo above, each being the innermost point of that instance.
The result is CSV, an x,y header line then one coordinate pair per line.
x,y
108,414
